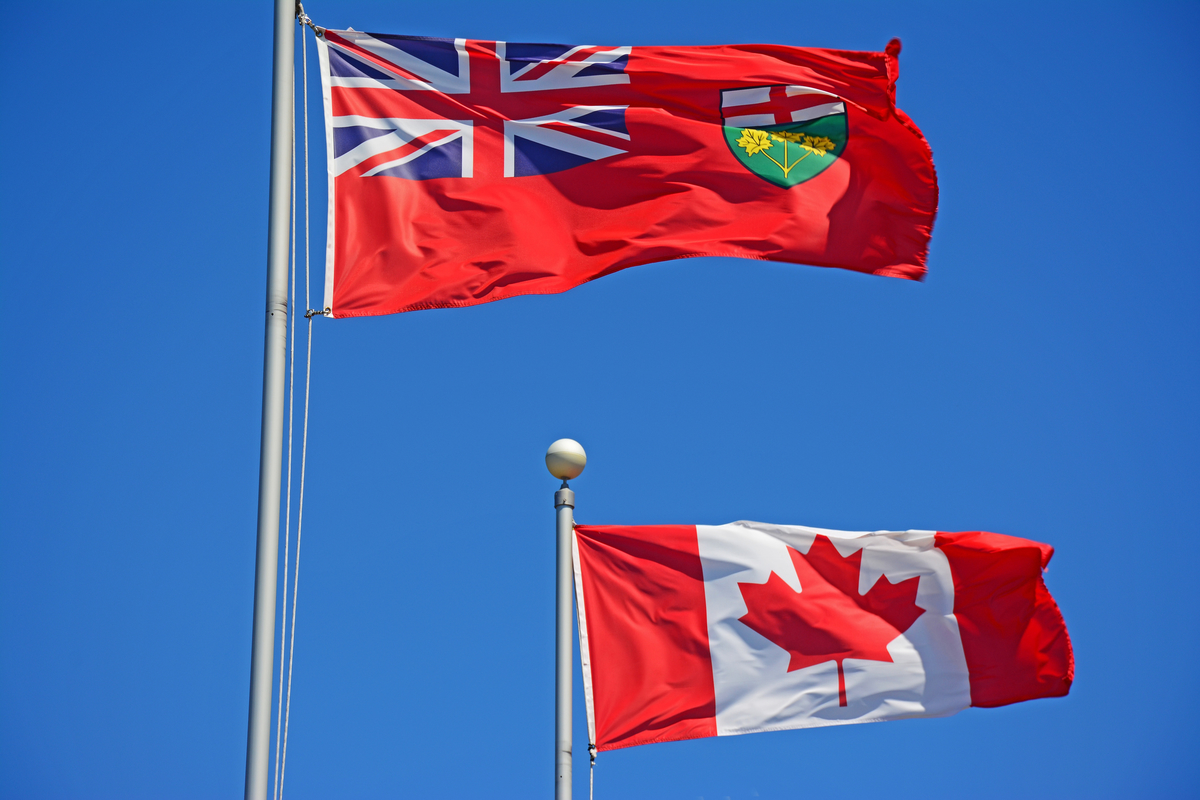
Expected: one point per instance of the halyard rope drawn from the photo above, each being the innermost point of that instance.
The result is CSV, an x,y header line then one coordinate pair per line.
x,y
291,649
287,525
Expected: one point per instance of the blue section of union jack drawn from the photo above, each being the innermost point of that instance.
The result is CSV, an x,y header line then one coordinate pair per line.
x,y
421,108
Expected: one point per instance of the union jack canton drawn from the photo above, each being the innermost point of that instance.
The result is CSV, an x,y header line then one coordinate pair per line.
x,y
424,108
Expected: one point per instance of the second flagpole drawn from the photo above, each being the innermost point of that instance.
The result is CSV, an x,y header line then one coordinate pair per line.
x,y
565,459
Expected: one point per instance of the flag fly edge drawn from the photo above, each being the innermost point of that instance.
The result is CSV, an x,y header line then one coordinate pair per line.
x,y
1013,633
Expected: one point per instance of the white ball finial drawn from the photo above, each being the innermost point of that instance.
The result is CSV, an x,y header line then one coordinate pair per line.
x,y
565,459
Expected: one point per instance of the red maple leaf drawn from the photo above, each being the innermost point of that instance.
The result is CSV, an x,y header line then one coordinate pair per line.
x,y
829,620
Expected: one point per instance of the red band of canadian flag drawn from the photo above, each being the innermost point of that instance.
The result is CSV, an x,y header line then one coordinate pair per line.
x,y
693,631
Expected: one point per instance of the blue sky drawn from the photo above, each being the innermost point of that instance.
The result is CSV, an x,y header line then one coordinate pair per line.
x,y
1043,382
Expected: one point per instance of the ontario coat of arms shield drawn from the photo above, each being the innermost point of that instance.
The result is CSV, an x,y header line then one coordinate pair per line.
x,y
784,134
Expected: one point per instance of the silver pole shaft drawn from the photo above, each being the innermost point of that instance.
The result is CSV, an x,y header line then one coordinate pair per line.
x,y
564,505
266,566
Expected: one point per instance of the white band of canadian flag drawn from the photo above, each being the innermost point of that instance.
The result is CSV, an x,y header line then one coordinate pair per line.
x,y
689,631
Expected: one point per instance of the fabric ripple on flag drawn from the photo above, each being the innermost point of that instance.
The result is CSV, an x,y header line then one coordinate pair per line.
x,y
689,631
463,171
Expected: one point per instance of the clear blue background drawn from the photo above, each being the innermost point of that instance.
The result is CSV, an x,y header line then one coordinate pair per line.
x,y
1043,382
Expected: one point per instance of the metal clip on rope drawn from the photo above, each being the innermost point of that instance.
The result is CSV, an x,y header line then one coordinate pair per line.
x,y
304,19
592,772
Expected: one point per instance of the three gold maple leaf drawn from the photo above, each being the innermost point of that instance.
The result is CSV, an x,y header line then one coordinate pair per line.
x,y
755,141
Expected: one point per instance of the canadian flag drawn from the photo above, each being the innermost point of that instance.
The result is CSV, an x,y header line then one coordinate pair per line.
x,y
689,631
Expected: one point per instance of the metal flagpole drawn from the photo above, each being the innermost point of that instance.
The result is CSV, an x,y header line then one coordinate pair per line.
x,y
565,459
266,566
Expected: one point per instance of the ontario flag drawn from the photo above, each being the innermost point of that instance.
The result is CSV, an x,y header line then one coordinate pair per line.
x,y
464,171
689,631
